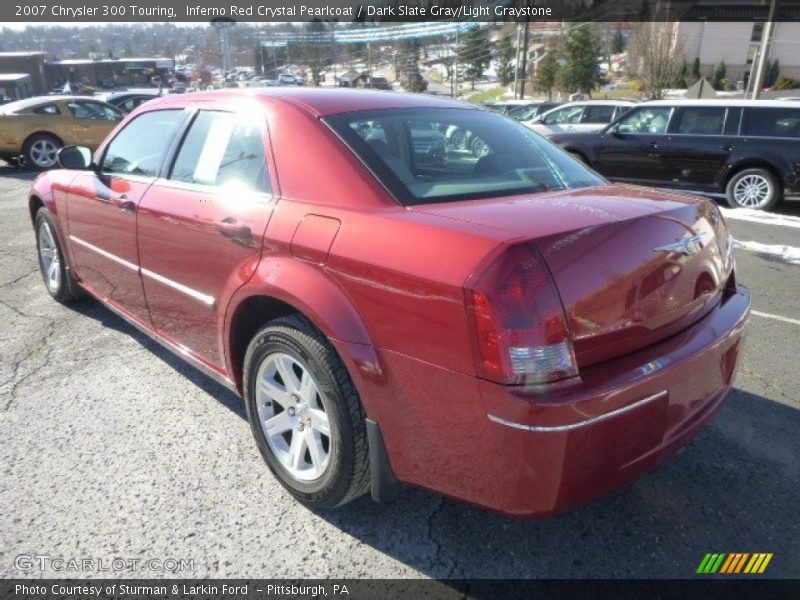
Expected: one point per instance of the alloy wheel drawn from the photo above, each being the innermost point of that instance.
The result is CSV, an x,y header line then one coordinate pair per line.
x,y
43,153
293,416
752,191
50,257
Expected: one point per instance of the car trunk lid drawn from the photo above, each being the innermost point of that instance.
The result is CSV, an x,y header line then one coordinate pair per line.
x,y
632,265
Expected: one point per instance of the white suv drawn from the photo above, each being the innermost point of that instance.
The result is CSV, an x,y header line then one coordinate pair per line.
x,y
590,115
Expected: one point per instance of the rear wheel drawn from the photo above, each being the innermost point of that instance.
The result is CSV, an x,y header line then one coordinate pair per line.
x,y
57,277
305,414
753,188
41,150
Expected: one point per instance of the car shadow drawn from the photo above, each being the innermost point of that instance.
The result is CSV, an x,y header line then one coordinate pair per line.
x,y
733,489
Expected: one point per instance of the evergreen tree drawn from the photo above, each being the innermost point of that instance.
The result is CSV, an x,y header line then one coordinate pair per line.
x,y
547,74
772,74
618,42
415,82
505,59
582,71
719,74
695,70
475,54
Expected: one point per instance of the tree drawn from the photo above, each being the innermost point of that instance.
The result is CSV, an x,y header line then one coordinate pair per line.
x,y
695,74
505,59
475,53
547,74
719,74
772,74
618,43
657,59
414,81
582,72
315,26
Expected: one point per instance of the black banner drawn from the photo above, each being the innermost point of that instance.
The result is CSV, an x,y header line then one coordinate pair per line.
x,y
367,589
46,11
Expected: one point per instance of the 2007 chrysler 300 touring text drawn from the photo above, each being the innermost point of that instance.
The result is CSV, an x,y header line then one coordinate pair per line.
x,y
497,323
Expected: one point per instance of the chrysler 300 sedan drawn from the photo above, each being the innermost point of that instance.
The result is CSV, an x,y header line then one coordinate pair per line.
x,y
504,327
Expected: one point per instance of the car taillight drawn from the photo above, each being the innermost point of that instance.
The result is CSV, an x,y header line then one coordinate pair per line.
x,y
520,330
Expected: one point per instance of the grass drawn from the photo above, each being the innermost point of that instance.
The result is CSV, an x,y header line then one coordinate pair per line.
x,y
490,95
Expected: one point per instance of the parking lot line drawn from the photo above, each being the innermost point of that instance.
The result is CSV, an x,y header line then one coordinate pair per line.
x,y
764,315
787,254
757,216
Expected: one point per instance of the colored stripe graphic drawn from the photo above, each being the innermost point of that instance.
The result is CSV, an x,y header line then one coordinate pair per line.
x,y
734,563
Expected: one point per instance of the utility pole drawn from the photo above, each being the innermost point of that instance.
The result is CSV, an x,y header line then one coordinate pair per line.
x,y
525,58
516,63
369,65
763,55
455,67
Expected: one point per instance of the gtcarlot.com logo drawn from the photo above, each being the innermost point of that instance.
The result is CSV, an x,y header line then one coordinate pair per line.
x,y
58,564
734,563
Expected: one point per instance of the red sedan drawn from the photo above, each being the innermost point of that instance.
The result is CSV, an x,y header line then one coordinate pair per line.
x,y
405,289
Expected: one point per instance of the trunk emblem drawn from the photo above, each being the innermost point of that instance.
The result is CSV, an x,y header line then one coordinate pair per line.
x,y
687,246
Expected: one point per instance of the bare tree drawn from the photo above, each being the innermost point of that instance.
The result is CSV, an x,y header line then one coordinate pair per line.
x,y
656,57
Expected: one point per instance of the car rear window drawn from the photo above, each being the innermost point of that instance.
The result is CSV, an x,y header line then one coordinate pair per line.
x,y
772,122
434,155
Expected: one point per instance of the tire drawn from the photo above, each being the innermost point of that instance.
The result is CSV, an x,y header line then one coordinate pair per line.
x,y
40,151
52,264
754,188
337,472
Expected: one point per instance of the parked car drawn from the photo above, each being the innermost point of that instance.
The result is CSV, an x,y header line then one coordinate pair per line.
x,y
378,83
287,79
589,115
505,106
4,99
532,110
509,329
127,101
33,130
748,150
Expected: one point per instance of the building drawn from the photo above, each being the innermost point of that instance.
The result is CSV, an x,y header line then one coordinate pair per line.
x,y
29,63
16,86
108,72
738,45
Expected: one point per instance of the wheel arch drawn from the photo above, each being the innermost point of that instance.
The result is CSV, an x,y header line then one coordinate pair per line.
x,y
299,289
42,132
749,163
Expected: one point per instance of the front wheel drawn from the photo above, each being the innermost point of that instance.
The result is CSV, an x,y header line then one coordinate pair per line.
x,y
753,188
305,414
57,278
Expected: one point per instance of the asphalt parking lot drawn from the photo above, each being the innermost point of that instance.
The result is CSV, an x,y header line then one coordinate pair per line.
x,y
113,448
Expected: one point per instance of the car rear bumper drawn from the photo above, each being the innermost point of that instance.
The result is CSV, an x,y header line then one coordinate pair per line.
x,y
536,451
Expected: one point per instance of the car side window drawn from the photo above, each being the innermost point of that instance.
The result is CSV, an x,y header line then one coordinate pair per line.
x,y
93,110
653,119
568,115
601,113
47,109
772,122
223,149
140,147
700,120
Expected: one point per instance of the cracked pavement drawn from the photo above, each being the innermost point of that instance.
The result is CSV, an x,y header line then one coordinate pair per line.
x,y
112,447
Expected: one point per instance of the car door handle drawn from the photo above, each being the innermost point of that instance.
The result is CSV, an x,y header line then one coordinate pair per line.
x,y
654,145
727,147
121,202
235,232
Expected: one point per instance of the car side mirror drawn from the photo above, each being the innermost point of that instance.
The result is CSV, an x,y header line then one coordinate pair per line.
x,y
538,119
74,157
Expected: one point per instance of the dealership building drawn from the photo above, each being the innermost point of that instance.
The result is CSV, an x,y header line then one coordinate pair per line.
x,y
119,71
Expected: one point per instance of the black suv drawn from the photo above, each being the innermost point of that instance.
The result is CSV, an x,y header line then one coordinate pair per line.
x,y
748,149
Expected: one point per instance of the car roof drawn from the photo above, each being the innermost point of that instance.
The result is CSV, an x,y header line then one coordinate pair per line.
x,y
321,102
722,102
606,102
